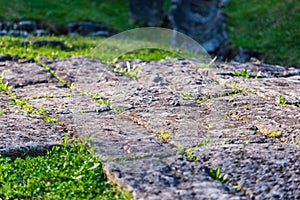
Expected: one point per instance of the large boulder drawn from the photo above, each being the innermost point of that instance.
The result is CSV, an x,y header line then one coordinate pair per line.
x,y
147,12
202,20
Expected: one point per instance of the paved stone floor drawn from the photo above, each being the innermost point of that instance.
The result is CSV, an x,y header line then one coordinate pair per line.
x,y
162,132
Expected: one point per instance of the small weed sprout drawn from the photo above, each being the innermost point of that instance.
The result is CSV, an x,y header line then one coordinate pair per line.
x,y
216,174
238,90
274,133
100,100
119,110
191,155
131,71
257,75
50,119
164,135
2,111
4,86
203,143
201,66
187,95
243,73
281,101
201,99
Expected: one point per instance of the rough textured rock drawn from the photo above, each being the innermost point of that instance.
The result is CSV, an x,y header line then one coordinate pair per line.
x,y
22,28
31,28
147,12
163,131
87,28
18,76
260,170
21,134
204,21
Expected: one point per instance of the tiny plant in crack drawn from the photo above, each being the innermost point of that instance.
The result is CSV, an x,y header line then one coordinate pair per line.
x,y
2,111
238,90
119,110
189,96
100,100
274,133
203,143
281,101
4,86
191,155
164,135
209,65
201,99
242,73
131,71
216,174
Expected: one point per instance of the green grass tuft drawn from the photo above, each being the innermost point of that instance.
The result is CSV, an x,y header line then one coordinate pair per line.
x,y
270,26
65,172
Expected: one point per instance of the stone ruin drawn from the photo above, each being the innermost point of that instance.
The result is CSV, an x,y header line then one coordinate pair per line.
x,y
202,20
25,28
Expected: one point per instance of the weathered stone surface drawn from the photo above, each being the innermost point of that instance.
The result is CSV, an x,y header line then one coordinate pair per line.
x,y
21,134
170,178
147,12
142,133
260,171
19,75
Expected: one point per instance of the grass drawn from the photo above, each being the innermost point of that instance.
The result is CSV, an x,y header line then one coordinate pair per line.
x,y
281,101
28,109
191,156
242,73
188,96
100,100
275,133
216,174
113,13
72,171
164,135
203,143
276,22
271,27
64,172
131,71
77,46
4,87
2,111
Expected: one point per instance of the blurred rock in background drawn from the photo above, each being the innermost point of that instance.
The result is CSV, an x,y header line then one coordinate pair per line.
x,y
146,12
202,20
